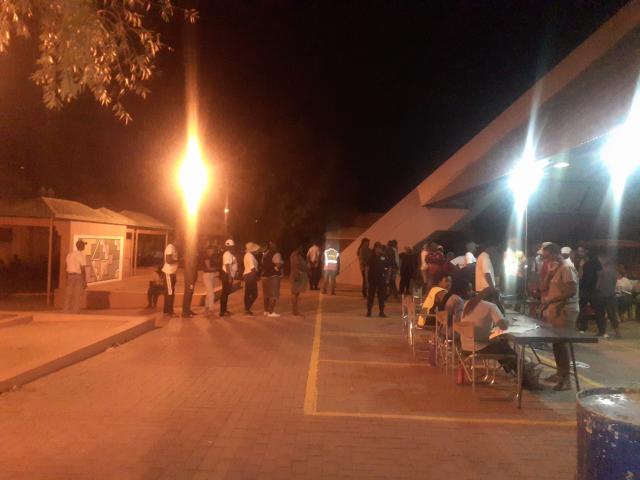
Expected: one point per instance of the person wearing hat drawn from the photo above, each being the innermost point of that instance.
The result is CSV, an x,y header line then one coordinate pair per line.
x,y
76,263
250,276
566,254
227,274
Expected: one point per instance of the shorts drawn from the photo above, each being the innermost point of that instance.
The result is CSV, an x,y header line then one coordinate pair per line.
x,y
271,288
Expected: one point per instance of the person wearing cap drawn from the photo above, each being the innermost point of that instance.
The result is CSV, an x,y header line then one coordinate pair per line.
x,y
227,274
560,307
76,263
250,276
170,269
566,254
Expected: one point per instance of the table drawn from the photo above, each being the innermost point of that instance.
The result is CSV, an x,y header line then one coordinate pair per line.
x,y
545,333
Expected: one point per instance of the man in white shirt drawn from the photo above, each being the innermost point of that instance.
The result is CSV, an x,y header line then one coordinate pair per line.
x,y
76,263
315,268
227,274
170,269
250,277
331,265
485,276
470,256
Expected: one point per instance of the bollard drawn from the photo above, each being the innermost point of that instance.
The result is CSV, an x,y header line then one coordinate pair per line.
x,y
608,434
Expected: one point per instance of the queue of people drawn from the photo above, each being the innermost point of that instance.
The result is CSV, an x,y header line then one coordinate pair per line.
x,y
221,268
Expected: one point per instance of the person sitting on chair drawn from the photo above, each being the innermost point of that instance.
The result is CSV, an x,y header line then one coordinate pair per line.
x,y
156,288
436,296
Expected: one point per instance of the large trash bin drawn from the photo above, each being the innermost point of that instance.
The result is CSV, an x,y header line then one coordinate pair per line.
x,y
609,434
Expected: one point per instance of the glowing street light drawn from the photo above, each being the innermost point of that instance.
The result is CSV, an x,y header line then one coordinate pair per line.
x,y
525,178
621,155
193,177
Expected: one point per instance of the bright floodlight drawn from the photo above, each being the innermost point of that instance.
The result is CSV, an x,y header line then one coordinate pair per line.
x,y
525,178
193,176
621,155
561,165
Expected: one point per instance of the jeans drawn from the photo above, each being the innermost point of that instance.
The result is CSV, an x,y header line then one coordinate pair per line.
x,y
609,306
73,293
329,281
189,287
209,279
250,290
499,347
227,283
565,318
376,288
171,292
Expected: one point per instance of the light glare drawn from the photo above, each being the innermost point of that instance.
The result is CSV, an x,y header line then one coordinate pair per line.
x,y
193,176
525,179
560,165
621,155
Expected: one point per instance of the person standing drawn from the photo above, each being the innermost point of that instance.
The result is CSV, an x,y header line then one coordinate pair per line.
x,y
378,271
588,267
435,264
485,275
227,274
331,266
606,297
170,270
470,256
211,267
424,267
299,271
190,279
407,270
76,263
314,260
271,273
560,308
250,277
364,254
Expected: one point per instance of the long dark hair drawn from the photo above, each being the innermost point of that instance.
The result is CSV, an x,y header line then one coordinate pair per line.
x,y
362,242
487,294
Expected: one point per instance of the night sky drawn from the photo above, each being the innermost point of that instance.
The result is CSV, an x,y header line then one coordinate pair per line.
x,y
333,105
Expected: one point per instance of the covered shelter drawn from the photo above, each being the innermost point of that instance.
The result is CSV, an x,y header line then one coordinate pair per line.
x,y
563,121
44,230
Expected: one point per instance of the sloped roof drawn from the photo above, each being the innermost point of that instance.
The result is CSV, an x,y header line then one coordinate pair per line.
x,y
143,220
582,98
61,209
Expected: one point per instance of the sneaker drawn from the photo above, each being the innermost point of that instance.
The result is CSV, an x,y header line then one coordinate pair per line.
x,y
249,313
382,315
187,315
273,314
225,314
605,336
266,314
562,385
581,332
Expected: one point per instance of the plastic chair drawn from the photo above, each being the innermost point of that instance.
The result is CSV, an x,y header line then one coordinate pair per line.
x,y
468,359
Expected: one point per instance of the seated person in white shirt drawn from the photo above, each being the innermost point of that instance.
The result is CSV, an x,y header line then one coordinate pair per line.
x,y
485,315
455,298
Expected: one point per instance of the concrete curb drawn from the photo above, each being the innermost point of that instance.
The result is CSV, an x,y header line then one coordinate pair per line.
x,y
16,319
32,372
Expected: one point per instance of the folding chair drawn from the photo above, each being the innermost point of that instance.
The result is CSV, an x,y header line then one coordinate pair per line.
x,y
444,341
468,359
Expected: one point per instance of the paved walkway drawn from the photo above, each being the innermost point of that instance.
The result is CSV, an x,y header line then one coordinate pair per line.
x,y
332,395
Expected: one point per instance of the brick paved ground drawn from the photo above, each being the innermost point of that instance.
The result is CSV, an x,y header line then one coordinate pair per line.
x,y
203,399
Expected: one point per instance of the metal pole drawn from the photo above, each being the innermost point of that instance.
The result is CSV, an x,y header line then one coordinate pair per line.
x,y
50,261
